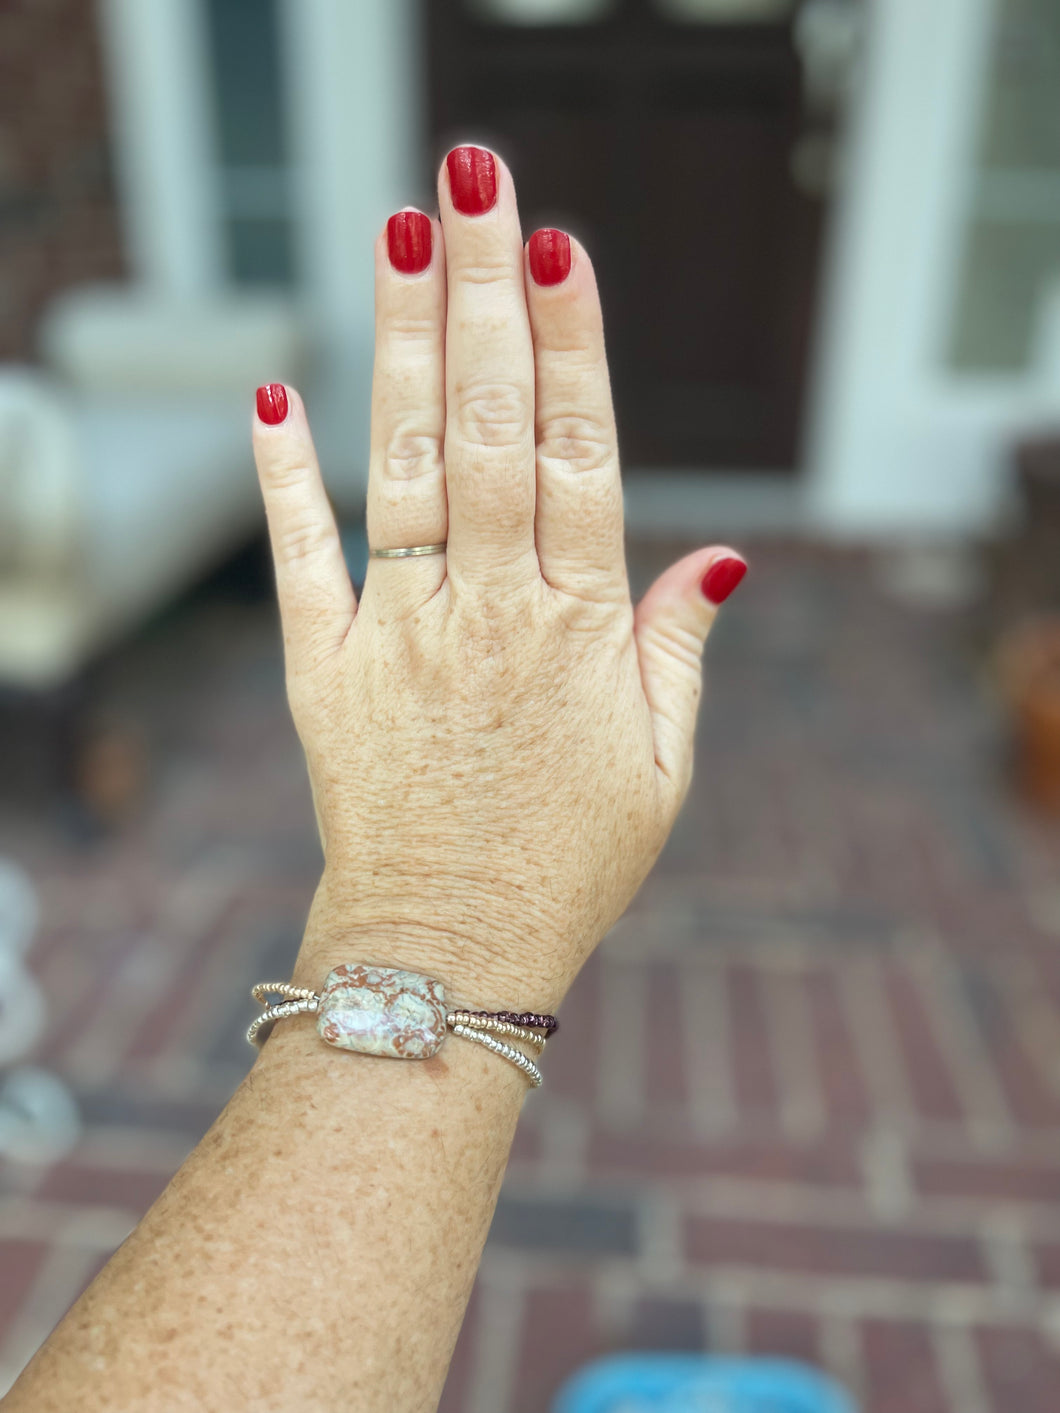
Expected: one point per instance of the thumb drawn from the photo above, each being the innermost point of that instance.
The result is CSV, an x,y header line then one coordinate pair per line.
x,y
671,625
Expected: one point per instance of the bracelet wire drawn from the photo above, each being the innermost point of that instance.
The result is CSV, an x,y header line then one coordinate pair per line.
x,y
499,1047
499,1027
481,1027
525,1018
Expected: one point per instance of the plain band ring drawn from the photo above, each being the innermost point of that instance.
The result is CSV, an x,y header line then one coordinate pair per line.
x,y
410,553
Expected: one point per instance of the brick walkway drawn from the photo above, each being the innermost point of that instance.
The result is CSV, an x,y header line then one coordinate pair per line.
x,y
806,1101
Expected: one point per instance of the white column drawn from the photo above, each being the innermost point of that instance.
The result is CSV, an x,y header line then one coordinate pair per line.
x,y
897,441
355,95
162,123
901,441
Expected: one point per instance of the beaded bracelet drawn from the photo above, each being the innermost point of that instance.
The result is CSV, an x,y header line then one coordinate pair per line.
x,y
546,1023
400,1014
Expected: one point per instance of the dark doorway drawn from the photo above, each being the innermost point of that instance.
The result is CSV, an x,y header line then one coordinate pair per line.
x,y
667,146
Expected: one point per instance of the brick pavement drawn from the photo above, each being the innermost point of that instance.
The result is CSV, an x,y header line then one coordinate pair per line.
x,y
60,225
806,1099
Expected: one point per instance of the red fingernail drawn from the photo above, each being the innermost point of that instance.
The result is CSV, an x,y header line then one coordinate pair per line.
x,y
408,241
272,404
722,577
472,179
549,257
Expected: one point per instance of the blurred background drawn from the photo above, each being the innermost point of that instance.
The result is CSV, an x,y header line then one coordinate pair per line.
x,y
806,1101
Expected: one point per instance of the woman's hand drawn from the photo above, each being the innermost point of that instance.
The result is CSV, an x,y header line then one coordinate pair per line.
x,y
498,744
498,747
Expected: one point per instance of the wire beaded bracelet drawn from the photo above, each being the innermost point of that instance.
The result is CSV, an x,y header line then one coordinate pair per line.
x,y
401,1014
547,1023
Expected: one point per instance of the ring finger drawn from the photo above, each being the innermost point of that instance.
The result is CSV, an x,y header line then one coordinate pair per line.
x,y
406,479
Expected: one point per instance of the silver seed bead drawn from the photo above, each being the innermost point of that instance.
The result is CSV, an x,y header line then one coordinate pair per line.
x,y
499,1047
264,989
487,1023
272,1014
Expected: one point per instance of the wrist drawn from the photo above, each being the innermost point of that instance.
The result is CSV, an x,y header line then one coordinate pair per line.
x,y
477,963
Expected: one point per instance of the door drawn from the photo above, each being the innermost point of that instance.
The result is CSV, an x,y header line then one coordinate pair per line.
x,y
666,134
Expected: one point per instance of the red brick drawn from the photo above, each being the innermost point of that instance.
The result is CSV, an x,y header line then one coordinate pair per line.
x,y
1024,1179
664,1323
1047,974
1020,1371
842,1082
901,1372
569,1064
129,1189
92,1270
526,1146
73,1013
666,1077
170,1010
457,1383
834,1250
20,1262
559,1335
752,1067
930,1081
829,1162
80,1278
1031,1096
783,1334
1046,1257
55,165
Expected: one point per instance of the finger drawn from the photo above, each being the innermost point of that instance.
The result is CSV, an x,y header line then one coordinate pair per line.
x,y
317,602
489,372
671,625
406,477
579,493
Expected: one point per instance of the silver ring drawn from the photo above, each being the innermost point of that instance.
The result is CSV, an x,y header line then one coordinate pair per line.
x,y
407,553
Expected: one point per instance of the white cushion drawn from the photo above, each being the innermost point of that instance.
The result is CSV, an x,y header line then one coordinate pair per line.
x,y
120,339
39,473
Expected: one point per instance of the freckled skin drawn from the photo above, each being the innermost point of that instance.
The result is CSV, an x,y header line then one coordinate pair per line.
x,y
497,745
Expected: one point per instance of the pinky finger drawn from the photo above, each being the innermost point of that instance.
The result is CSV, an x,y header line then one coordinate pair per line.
x,y
317,602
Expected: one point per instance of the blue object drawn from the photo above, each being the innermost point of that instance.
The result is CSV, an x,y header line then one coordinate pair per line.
x,y
693,1383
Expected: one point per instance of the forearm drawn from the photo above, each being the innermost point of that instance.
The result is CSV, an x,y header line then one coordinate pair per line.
x,y
316,1250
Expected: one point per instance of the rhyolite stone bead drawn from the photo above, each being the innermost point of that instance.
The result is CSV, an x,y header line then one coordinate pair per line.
x,y
382,1011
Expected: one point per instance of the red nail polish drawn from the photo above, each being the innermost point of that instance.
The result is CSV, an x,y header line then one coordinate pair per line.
x,y
549,257
472,180
721,578
408,241
272,404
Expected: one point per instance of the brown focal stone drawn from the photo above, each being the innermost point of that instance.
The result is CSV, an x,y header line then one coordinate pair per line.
x,y
382,1011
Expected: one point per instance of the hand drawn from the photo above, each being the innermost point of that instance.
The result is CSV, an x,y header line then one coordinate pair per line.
x,y
497,743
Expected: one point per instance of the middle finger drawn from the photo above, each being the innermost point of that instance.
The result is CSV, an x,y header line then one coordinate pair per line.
x,y
489,373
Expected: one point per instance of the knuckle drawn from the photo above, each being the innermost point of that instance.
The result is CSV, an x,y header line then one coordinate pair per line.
x,y
579,442
494,414
410,455
285,475
681,643
485,268
299,540
407,326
